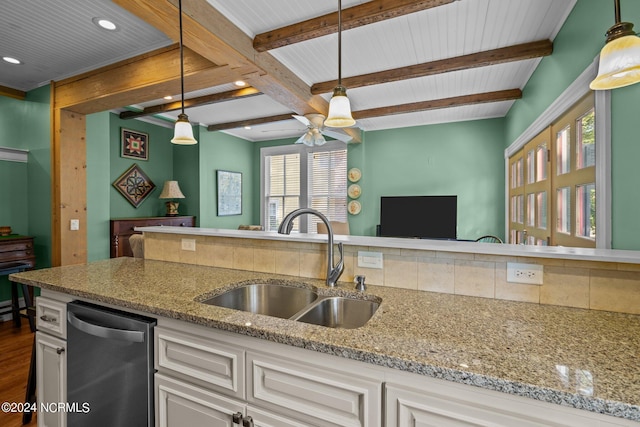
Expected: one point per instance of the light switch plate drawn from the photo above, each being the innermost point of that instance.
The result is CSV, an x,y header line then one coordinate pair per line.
x,y
188,244
74,224
370,259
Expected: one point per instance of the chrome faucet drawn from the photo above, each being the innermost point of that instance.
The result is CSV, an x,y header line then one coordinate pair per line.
x,y
333,272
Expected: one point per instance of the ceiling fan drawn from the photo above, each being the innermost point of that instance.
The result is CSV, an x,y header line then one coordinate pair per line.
x,y
316,131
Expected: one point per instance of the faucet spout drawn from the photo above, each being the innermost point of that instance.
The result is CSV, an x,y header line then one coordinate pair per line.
x,y
333,272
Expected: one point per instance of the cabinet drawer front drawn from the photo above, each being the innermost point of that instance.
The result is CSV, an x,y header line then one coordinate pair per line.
x,y
204,361
51,316
182,404
329,398
20,246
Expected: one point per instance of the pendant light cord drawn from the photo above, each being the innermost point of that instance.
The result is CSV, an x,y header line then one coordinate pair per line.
x,y
181,60
617,11
339,42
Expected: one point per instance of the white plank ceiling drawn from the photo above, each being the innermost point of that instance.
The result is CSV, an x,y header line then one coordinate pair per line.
x,y
58,39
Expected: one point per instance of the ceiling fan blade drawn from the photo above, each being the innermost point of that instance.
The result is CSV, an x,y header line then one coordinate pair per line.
x,y
337,135
302,119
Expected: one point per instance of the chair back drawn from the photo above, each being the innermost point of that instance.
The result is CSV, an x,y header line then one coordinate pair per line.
x,y
489,239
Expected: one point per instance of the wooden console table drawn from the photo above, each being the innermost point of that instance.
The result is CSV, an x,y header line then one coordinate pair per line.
x,y
123,228
17,254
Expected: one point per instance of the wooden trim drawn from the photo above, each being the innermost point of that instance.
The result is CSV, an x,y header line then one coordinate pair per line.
x,y
353,17
249,122
12,93
480,59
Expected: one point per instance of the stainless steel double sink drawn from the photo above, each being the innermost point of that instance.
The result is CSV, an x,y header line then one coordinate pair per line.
x,y
297,303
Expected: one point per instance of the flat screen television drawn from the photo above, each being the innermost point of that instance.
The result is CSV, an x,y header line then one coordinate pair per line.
x,y
423,217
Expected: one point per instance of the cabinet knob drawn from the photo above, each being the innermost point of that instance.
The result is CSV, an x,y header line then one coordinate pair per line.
x,y
247,422
59,350
237,418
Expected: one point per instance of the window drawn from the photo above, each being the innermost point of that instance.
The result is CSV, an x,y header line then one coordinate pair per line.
x,y
296,176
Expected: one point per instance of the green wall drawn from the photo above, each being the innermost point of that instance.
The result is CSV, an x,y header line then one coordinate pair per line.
x,y
574,49
219,151
25,188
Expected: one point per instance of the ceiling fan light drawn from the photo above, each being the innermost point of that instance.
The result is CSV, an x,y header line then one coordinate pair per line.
x,y
306,139
619,64
318,139
183,132
339,110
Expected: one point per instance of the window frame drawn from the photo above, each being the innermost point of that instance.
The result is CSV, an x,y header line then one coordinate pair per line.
x,y
304,151
602,104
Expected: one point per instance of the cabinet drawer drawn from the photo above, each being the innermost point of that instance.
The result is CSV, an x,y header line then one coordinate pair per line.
x,y
201,360
20,246
51,317
326,397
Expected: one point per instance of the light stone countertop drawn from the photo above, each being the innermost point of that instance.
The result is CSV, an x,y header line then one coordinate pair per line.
x,y
585,359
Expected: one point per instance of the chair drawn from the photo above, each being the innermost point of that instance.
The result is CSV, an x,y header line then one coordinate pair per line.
x,y
338,228
489,239
137,245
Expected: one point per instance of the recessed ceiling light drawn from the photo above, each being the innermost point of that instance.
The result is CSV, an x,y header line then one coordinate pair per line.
x,y
12,60
168,97
240,83
105,24
247,127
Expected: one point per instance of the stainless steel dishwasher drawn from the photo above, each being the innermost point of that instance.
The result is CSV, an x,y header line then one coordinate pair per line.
x,y
109,367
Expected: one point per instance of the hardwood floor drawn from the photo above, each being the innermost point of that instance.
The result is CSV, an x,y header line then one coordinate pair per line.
x,y
15,357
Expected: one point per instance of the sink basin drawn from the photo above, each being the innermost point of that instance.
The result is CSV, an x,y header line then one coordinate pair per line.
x,y
340,312
264,298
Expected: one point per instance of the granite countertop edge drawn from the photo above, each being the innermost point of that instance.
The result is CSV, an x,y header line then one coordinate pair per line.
x,y
546,394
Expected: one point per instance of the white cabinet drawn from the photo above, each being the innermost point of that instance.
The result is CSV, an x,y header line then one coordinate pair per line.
x,y
51,369
51,359
206,377
417,401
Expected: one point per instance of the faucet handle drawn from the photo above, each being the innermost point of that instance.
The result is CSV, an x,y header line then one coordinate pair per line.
x,y
359,280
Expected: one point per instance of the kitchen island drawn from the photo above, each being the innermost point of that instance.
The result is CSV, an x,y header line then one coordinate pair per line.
x,y
584,359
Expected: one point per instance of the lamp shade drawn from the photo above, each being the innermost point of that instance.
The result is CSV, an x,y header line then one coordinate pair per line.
x,y
619,64
339,110
171,190
183,132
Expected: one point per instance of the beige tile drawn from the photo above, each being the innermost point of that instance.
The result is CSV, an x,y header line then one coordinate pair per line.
x,y
436,275
623,266
374,276
222,256
514,291
264,260
598,265
565,286
243,258
418,253
205,252
347,274
313,264
474,278
615,291
287,262
454,255
401,272
491,258
153,248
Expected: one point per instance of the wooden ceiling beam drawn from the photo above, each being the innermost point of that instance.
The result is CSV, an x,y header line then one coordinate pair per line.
x,y
457,101
246,92
518,52
353,17
250,122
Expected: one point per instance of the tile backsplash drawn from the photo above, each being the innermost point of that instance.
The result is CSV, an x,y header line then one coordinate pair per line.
x,y
594,285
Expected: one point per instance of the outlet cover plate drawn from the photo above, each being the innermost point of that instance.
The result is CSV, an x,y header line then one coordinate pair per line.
x,y
370,259
188,244
524,273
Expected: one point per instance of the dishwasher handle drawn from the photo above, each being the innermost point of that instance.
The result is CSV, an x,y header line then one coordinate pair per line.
x,y
103,331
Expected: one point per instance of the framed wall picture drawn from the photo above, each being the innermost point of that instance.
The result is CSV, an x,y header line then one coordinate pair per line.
x,y
229,193
134,144
134,185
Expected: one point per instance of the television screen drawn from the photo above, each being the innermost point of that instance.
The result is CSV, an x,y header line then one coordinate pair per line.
x,y
424,217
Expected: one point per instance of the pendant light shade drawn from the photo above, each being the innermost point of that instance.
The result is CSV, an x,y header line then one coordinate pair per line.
x,y
620,58
183,132
339,107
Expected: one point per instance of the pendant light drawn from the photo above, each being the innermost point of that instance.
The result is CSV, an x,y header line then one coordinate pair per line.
x,y
339,106
183,132
620,57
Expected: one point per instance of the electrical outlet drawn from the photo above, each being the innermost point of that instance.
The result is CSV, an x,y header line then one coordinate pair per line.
x,y
524,273
74,224
188,244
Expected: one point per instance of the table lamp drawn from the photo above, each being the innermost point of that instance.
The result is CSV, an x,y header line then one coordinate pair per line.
x,y
171,190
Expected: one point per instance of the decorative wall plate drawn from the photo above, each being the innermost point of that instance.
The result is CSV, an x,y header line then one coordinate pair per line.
x,y
134,185
354,207
354,191
354,174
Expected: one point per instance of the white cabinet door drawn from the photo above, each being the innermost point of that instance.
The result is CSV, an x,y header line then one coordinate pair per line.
x,y
180,404
51,383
